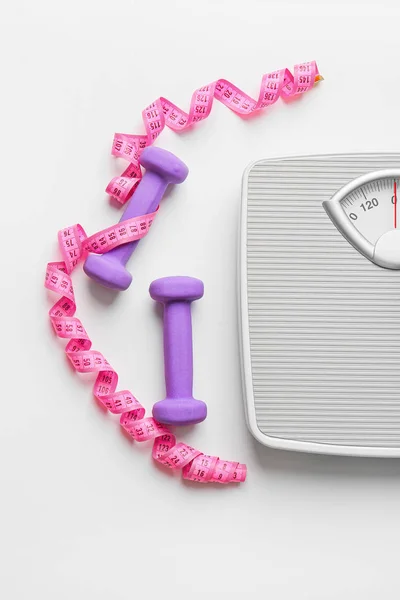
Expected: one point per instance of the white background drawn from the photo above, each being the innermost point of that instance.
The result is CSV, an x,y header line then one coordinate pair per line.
x,y
84,512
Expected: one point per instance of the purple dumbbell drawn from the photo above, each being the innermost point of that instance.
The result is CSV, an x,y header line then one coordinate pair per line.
x,y
179,407
162,168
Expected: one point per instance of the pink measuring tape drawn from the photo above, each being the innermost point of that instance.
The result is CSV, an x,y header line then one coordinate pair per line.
x,y
163,113
75,244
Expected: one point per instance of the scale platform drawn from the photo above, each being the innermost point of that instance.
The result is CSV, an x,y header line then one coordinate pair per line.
x,y
320,303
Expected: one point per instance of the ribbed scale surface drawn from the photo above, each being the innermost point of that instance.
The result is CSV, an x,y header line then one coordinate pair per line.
x,y
324,322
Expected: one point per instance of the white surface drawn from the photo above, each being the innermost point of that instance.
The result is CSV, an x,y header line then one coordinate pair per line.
x,y
85,514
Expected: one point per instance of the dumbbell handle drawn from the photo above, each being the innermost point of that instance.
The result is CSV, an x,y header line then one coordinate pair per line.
x,y
178,349
146,200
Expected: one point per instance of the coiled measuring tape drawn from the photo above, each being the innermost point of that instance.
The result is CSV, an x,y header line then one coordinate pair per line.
x,y
75,244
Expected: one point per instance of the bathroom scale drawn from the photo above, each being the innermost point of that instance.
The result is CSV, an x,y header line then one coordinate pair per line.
x,y
319,289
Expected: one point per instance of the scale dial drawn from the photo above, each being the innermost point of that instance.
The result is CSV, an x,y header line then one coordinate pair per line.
x,y
365,212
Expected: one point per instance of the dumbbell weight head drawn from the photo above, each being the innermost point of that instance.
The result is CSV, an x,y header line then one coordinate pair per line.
x,y
176,289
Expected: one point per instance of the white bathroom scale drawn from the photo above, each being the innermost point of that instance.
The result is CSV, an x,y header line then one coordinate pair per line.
x,y
320,303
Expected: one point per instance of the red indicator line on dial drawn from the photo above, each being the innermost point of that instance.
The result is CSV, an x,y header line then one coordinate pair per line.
x,y
395,205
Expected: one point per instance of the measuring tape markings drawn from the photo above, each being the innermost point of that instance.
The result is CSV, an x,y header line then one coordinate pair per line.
x,y
75,244
130,230
162,113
